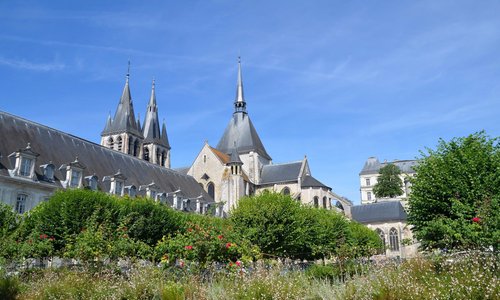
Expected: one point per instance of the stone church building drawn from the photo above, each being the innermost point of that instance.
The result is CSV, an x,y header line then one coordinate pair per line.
x,y
134,159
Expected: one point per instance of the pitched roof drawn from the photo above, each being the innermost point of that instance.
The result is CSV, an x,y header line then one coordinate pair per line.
x,y
124,119
222,156
310,181
379,212
241,133
373,166
151,126
62,148
280,172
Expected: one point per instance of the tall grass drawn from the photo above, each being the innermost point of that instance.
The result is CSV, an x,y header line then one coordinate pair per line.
x,y
471,276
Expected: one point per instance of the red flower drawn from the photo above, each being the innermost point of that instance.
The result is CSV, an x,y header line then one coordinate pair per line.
x,y
189,247
43,236
228,245
231,264
220,237
476,219
190,229
238,263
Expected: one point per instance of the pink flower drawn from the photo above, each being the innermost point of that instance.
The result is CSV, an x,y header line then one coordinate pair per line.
x,y
228,245
189,247
476,219
220,237
238,263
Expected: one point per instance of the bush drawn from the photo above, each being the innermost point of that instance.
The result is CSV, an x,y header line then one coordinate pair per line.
x,y
9,288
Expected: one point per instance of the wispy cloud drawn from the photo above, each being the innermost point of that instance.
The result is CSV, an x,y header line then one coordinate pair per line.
x,y
26,65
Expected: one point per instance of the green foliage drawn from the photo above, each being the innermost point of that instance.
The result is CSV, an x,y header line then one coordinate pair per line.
x,y
338,271
363,242
282,227
388,183
9,288
205,244
456,193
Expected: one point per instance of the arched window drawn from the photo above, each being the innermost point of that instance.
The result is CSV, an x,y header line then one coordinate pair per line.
x,y
21,203
158,156
325,202
120,143
211,189
163,158
393,239
146,154
285,191
339,205
316,201
381,234
110,143
130,149
136,148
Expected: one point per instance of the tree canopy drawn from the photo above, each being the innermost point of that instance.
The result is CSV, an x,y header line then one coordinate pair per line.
x,y
388,183
455,195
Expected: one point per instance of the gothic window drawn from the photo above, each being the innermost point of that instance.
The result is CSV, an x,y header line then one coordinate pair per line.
x,y
339,205
367,181
21,203
211,190
382,238
369,196
316,201
136,148
130,149
146,154
285,191
204,158
111,143
120,143
394,239
26,164
75,178
163,158
325,202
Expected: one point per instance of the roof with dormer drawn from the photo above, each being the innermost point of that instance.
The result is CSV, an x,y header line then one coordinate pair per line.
x,y
60,148
373,166
276,173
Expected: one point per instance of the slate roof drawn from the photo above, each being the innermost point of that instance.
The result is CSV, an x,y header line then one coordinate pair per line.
x,y
280,172
241,133
379,212
62,148
151,127
124,119
372,166
310,181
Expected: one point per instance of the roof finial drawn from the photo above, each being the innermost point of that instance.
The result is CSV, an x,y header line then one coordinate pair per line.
x,y
239,102
128,70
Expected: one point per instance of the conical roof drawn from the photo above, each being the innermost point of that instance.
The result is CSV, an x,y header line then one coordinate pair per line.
x,y
124,120
240,132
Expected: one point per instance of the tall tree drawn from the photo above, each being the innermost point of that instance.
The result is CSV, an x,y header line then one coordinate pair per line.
x,y
456,193
389,183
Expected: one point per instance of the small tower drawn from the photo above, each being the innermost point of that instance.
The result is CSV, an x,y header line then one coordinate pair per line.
x,y
236,184
122,133
155,148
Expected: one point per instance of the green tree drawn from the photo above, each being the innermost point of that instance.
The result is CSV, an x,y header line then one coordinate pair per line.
x,y
388,183
456,192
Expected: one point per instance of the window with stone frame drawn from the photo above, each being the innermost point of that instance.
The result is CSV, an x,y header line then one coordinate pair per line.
x,y
26,167
325,202
316,201
367,181
76,176
285,191
394,239
21,203
369,196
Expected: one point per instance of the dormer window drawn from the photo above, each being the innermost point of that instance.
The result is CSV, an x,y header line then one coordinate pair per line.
x,y
24,162
131,190
48,172
118,187
151,190
117,183
74,174
91,182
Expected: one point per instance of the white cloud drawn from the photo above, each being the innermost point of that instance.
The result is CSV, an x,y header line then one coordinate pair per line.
x,y
26,65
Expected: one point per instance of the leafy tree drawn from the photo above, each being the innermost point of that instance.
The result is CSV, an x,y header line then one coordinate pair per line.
x,y
388,183
456,193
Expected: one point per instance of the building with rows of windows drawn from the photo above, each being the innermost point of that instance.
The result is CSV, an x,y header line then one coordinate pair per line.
x,y
387,216
134,159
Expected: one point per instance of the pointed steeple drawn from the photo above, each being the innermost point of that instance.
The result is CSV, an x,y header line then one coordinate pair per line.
x,y
239,102
124,120
151,126
164,136
107,127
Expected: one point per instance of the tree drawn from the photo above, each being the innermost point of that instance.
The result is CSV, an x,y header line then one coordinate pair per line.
x,y
388,183
456,193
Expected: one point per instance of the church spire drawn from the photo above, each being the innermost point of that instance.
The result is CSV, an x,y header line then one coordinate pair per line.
x,y
151,126
124,119
239,102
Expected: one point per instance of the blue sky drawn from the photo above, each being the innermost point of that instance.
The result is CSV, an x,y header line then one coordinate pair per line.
x,y
338,81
